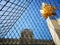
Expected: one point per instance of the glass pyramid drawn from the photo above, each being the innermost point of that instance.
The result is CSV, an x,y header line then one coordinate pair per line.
x,y
17,15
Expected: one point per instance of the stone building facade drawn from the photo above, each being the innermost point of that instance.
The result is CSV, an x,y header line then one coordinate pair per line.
x,y
27,37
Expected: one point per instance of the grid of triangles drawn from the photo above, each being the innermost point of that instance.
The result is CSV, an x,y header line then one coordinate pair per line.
x,y
31,19
10,11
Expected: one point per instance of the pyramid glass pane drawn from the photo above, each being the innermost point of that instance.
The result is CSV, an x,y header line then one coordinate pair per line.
x,y
17,15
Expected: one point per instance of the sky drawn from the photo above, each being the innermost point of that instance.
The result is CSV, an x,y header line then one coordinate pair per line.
x,y
31,19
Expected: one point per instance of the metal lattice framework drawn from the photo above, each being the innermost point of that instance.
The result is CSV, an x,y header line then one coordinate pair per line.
x,y
10,12
17,15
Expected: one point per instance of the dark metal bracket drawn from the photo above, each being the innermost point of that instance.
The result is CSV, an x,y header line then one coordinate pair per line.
x,y
5,4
